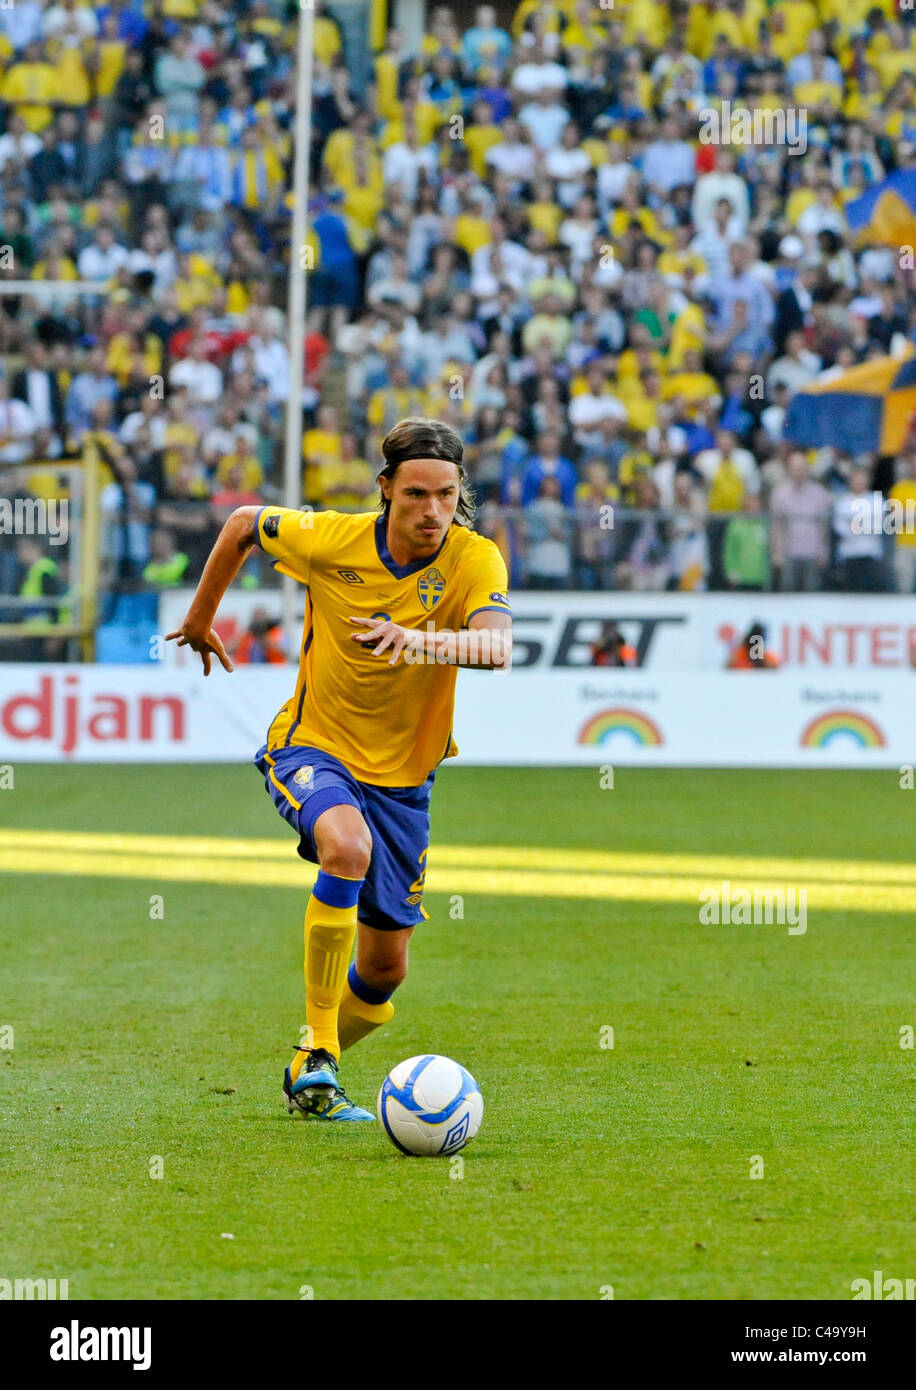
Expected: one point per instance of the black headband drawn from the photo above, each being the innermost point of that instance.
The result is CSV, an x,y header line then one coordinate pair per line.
x,y
422,454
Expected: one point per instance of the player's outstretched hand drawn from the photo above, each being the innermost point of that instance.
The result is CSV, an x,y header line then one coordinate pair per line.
x,y
382,635
204,643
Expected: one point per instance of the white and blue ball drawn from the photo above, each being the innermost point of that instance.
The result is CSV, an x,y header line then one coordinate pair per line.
x,y
430,1105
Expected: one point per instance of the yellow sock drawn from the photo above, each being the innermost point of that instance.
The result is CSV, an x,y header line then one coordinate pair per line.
x,y
329,934
357,1019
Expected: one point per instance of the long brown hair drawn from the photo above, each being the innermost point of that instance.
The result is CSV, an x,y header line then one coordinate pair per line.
x,y
420,438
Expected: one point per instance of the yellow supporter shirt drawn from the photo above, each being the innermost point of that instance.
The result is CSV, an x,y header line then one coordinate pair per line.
x,y
693,386
318,444
72,78
427,119
622,217
638,464
851,14
338,153
546,218
797,202
674,262
642,413
111,64
46,482
252,472
892,64
198,289
346,483
480,138
29,87
551,15
816,93
688,331
727,23
237,297
388,404
647,19
389,725
386,86
470,233
362,204
66,270
726,491
327,40
583,36
318,447
120,356
628,365
792,22
903,492
705,24
180,437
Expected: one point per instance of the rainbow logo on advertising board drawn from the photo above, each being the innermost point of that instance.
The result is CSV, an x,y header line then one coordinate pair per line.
x,y
843,724
602,727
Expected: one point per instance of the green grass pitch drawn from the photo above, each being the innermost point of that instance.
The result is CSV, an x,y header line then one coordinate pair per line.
x,y
629,1167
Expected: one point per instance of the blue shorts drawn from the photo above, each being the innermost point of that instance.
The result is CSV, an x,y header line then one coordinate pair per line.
x,y
304,782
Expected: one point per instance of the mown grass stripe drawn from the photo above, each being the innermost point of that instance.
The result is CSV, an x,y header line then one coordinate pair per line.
x,y
870,898
773,868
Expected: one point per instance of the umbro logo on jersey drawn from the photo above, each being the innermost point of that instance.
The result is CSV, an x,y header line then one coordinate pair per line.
x,y
351,577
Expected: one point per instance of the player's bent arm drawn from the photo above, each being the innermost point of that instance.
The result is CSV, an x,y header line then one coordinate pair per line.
x,y
223,563
485,644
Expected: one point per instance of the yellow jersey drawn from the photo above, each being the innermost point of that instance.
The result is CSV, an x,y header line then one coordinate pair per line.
x,y
389,725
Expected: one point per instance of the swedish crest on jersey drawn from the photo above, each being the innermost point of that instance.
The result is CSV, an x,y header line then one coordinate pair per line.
x,y
303,777
430,588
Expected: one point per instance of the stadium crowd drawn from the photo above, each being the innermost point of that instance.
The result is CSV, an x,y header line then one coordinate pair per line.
x,y
522,230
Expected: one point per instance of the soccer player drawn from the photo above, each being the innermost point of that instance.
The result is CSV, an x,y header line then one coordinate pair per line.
x,y
395,602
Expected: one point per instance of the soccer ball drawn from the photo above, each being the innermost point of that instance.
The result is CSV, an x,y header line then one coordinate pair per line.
x,y
430,1105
